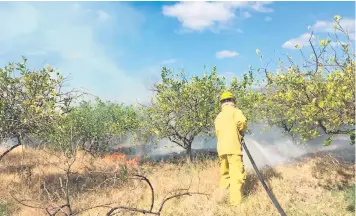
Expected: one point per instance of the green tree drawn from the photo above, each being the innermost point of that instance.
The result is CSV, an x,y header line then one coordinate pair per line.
x,y
91,126
248,97
182,109
30,100
320,95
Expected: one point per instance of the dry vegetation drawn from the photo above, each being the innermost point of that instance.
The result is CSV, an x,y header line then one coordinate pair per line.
x,y
317,186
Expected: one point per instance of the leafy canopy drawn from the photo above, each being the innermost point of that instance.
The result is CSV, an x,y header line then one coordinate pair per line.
x,y
183,109
30,99
318,97
92,126
248,98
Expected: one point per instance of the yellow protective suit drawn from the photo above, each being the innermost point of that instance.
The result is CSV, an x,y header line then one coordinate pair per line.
x,y
229,125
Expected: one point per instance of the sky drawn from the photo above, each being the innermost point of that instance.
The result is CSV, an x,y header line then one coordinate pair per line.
x,y
115,50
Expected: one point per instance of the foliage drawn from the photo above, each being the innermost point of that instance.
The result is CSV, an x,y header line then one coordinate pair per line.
x,y
182,109
92,126
248,98
30,99
318,97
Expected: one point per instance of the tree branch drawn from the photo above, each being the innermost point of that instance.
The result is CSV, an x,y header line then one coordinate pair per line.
x,y
9,150
151,187
316,56
150,211
334,132
176,196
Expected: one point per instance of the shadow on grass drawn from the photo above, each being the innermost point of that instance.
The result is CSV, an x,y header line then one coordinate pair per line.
x,y
198,155
203,155
336,174
13,157
12,169
51,190
333,174
53,186
252,180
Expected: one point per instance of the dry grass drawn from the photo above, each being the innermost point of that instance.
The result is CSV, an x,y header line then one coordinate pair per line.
x,y
311,187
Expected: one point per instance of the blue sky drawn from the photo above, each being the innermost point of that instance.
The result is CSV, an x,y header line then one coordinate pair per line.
x,y
115,49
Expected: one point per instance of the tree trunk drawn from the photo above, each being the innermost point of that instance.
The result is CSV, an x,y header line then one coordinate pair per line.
x,y
189,153
12,147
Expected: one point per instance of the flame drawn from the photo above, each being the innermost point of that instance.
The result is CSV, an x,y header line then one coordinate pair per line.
x,y
122,159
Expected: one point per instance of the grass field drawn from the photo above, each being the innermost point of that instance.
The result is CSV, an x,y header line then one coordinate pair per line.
x,y
37,178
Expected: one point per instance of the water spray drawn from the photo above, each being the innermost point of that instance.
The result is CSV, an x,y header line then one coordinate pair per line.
x,y
274,200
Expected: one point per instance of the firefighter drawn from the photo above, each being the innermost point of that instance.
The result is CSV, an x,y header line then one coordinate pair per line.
x,y
230,126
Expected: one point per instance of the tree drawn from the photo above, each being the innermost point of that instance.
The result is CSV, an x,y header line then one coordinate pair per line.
x,y
182,109
248,98
318,97
30,100
91,126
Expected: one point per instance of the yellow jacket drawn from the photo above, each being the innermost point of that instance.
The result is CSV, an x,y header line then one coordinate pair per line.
x,y
230,124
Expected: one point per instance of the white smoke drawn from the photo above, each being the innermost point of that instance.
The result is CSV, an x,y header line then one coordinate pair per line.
x,y
267,148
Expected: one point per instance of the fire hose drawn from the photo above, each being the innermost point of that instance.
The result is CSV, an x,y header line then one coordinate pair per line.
x,y
274,200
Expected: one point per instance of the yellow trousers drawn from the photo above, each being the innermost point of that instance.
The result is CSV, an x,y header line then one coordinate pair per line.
x,y
232,176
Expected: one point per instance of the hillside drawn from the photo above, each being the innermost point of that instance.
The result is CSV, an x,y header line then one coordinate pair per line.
x,y
318,185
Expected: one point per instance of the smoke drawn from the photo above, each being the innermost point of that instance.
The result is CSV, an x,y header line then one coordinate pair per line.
x,y
273,147
268,148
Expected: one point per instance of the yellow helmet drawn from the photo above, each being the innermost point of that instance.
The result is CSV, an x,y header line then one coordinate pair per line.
x,y
226,95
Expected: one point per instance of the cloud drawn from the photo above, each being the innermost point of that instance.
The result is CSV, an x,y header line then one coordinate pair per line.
x,y
245,15
66,37
260,7
268,19
103,16
321,27
337,44
199,16
302,40
328,26
226,54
